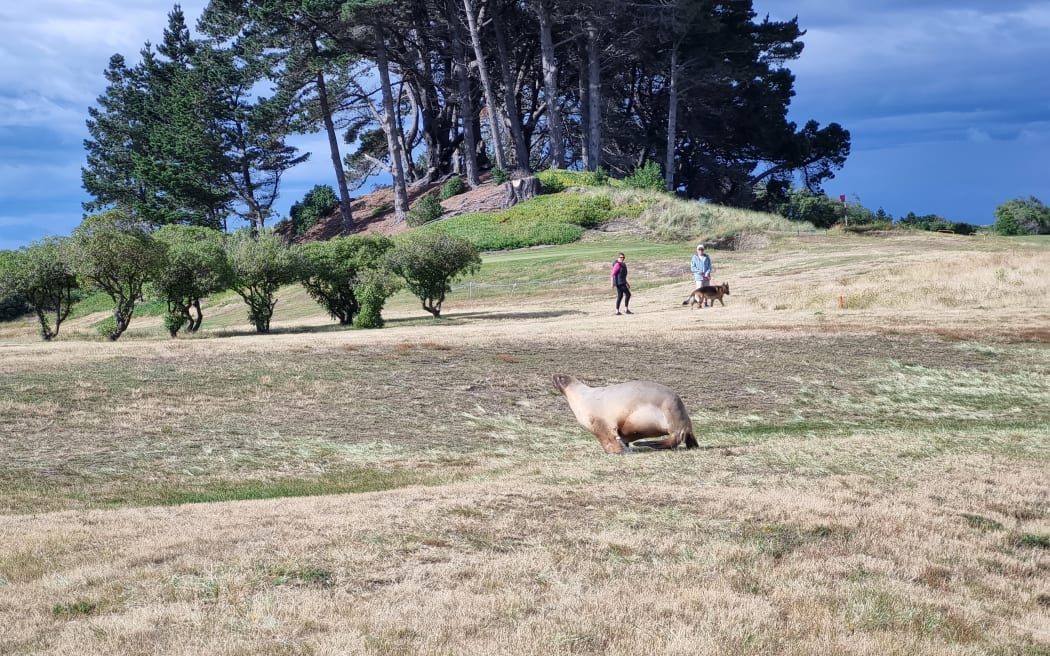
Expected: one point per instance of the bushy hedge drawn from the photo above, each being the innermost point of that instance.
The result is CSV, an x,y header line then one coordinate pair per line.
x,y
425,210
555,180
318,203
454,186
647,176
12,306
1022,216
541,220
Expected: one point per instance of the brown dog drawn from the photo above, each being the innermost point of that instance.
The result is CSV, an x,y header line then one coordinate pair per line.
x,y
709,293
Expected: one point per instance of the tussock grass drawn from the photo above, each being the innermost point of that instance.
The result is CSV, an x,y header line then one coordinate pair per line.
x,y
677,219
871,480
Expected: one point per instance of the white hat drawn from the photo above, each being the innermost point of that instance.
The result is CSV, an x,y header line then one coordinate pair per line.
x,y
699,246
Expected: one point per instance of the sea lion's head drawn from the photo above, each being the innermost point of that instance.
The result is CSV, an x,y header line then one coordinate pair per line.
x,y
561,381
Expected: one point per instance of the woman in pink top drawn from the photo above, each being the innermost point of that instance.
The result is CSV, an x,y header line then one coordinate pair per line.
x,y
619,281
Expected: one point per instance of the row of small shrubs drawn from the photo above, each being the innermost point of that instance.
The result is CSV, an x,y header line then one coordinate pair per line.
x,y
874,226
934,223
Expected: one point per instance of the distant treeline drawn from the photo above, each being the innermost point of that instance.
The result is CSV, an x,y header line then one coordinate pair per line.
x,y
196,132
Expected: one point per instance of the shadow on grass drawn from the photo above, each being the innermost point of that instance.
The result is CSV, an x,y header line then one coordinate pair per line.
x,y
453,319
348,482
550,314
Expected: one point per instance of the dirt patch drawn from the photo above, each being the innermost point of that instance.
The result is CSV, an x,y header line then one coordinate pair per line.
x,y
373,213
623,226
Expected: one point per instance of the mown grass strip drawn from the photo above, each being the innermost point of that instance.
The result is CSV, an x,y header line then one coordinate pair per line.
x,y
355,482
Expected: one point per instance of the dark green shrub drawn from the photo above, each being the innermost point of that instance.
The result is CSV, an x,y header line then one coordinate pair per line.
x,y
373,291
556,180
818,209
107,328
1022,216
318,203
13,306
454,186
982,523
1035,540
428,262
173,322
499,176
372,301
425,210
74,609
648,176
332,271
382,209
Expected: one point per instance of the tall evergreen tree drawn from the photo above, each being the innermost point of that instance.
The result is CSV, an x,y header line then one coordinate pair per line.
x,y
253,130
117,128
291,38
152,149
184,159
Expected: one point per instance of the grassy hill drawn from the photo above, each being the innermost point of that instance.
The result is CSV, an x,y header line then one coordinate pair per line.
x,y
872,413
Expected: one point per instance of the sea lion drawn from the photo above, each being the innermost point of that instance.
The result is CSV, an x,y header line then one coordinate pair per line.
x,y
621,414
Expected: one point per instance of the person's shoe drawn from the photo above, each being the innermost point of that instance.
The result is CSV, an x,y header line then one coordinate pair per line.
x,y
628,312
617,312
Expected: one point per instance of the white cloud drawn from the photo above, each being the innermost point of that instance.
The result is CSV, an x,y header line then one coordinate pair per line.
x,y
53,54
978,135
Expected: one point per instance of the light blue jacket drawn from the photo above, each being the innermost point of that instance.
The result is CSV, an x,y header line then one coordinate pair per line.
x,y
701,266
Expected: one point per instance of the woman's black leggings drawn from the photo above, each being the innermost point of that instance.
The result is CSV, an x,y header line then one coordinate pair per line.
x,y
623,293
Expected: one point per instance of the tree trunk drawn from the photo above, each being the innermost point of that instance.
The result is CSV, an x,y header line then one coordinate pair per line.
x,y
466,107
195,321
510,101
408,137
594,98
550,85
519,191
333,147
388,123
672,121
486,84
585,116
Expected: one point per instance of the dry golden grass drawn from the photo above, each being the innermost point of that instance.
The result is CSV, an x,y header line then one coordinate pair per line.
x,y
872,477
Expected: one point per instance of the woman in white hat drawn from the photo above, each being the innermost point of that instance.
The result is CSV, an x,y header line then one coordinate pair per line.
x,y
701,266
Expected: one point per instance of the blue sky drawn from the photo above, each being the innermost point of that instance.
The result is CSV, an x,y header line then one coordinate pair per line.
x,y
948,103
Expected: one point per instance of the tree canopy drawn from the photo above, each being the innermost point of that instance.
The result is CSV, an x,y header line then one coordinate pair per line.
x,y
428,262
118,254
422,89
42,275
